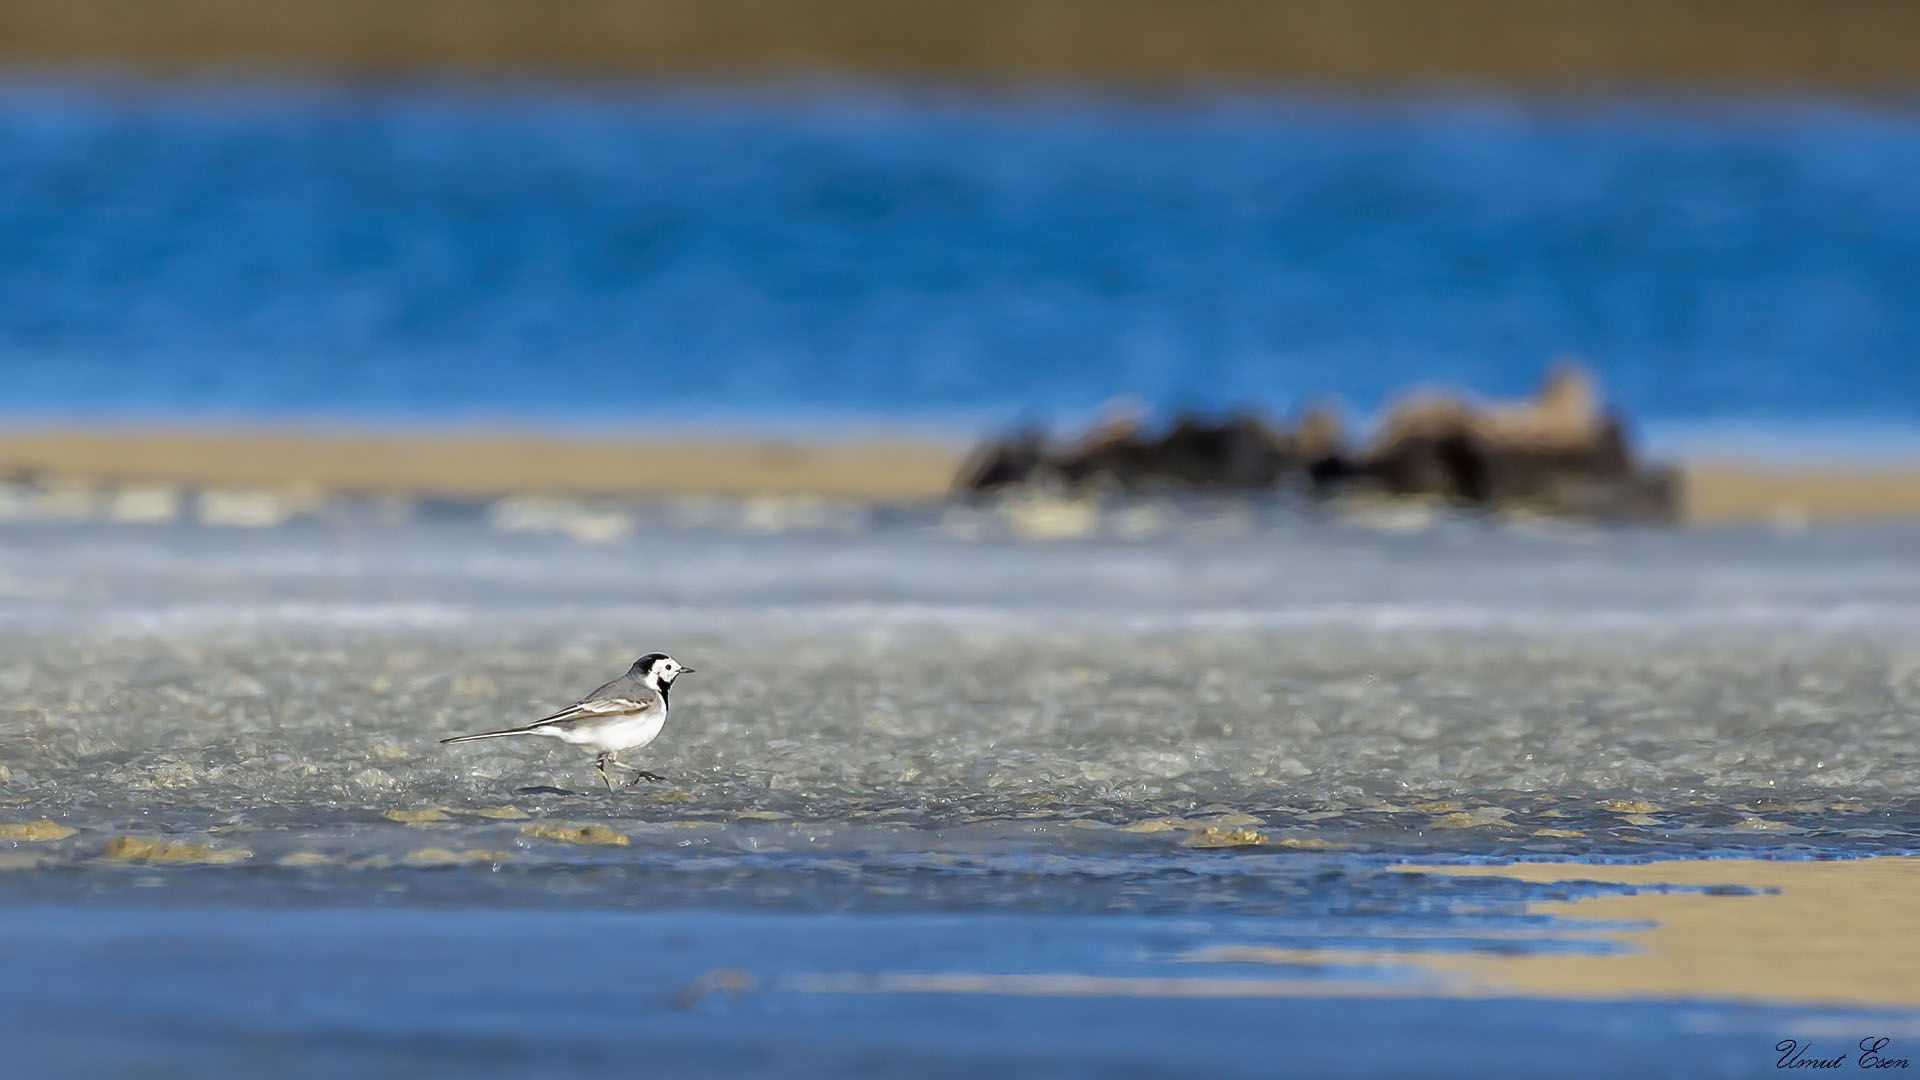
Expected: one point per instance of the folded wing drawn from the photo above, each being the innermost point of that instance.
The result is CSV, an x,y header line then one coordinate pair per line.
x,y
607,701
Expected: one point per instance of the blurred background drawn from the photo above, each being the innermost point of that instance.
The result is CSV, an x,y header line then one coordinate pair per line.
x,y
915,223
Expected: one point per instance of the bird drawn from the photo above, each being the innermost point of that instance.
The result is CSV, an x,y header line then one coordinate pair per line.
x,y
625,714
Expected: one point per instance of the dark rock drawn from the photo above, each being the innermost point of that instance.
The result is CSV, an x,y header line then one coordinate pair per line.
x,y
1559,453
1004,462
1241,453
1556,454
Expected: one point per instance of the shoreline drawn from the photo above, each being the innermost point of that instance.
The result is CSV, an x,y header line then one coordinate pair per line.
x,y
472,464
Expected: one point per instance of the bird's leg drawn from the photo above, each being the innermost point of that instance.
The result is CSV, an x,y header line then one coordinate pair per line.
x,y
638,774
600,766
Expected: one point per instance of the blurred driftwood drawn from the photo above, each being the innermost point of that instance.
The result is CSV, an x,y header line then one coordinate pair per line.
x,y
1560,453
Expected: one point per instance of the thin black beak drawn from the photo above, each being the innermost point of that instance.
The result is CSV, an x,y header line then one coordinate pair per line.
x,y
686,671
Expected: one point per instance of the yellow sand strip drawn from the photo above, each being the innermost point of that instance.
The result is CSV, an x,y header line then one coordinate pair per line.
x,y
1724,492
505,464
482,465
1843,932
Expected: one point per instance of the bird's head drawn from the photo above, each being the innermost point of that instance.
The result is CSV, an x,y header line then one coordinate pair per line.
x,y
658,670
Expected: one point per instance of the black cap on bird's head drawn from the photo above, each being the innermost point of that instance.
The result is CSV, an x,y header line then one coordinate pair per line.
x,y
663,668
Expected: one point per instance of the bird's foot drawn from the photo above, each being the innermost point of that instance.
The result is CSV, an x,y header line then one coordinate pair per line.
x,y
650,777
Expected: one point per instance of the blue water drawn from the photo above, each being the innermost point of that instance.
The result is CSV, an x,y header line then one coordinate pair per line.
x,y
635,256
104,990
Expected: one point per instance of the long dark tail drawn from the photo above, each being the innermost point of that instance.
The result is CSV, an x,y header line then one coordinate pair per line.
x,y
490,735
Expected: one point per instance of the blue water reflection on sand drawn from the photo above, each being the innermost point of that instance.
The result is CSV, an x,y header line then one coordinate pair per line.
x,y
332,992
630,255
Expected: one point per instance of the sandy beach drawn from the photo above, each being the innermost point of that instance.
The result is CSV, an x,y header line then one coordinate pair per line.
x,y
1726,491
479,465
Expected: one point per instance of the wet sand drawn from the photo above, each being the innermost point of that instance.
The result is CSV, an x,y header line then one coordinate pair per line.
x,y
904,470
1838,933
1842,932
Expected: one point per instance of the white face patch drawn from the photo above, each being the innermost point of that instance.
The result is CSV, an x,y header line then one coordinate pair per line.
x,y
660,670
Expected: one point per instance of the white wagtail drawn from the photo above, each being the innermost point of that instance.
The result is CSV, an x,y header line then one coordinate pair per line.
x,y
625,714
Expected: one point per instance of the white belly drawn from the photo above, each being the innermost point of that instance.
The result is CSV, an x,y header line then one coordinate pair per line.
x,y
613,734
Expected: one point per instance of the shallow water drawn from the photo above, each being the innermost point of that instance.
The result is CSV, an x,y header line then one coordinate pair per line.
x,y
491,993
1048,740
